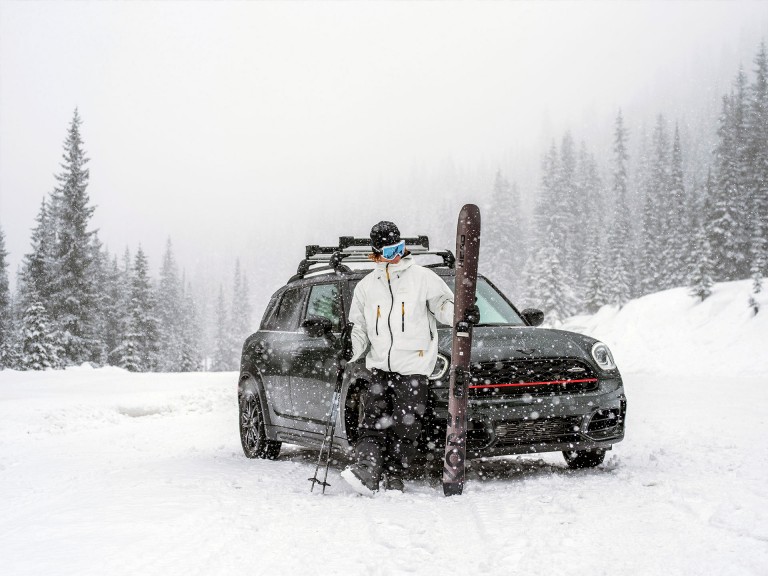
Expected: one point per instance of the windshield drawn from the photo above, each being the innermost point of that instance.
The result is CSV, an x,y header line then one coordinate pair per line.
x,y
494,310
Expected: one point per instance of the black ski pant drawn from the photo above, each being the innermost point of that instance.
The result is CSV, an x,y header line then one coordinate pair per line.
x,y
391,426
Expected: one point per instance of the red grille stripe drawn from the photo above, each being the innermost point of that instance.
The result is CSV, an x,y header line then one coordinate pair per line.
x,y
532,383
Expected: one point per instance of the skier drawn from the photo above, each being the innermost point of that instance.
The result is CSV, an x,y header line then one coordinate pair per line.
x,y
394,311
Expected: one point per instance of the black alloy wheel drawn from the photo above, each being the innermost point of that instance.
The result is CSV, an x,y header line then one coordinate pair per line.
x,y
253,436
584,458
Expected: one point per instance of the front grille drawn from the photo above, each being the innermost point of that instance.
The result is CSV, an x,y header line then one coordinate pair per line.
x,y
534,431
541,377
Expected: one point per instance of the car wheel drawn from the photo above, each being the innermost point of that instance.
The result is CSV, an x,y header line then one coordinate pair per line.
x,y
584,458
253,435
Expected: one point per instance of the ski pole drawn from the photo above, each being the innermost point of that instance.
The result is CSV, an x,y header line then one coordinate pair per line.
x,y
330,425
326,446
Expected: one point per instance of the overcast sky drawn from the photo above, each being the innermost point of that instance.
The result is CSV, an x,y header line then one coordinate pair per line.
x,y
220,124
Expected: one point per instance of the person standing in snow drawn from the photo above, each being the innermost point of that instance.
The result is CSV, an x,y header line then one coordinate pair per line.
x,y
394,312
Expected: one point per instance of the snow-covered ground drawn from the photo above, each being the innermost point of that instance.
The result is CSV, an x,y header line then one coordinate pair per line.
x,y
106,472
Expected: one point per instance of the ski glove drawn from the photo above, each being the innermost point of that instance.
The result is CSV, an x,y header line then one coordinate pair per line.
x,y
344,342
472,314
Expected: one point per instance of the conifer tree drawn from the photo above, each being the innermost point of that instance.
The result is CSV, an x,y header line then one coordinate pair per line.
x,y
6,318
190,334
116,298
593,277
654,206
39,342
700,264
504,243
241,309
222,359
618,288
139,350
169,313
38,271
724,231
550,289
674,250
757,204
73,300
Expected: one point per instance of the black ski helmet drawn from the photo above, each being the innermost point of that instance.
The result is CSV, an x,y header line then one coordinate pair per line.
x,y
384,234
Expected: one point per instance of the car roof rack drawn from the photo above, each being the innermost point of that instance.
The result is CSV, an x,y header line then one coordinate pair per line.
x,y
351,250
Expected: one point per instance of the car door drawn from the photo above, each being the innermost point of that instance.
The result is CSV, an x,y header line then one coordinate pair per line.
x,y
315,358
283,330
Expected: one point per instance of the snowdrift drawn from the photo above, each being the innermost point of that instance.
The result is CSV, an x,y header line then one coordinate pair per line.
x,y
675,331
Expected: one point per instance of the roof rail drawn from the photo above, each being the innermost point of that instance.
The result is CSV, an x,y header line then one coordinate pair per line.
x,y
352,249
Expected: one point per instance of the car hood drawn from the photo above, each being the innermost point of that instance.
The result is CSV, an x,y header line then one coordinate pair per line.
x,y
494,343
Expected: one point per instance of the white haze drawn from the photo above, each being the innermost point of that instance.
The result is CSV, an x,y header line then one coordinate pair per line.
x,y
249,129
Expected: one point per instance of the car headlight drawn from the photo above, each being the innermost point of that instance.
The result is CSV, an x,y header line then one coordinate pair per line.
x,y
441,367
603,356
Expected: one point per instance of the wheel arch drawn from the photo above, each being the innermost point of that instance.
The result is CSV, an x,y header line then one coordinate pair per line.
x,y
251,382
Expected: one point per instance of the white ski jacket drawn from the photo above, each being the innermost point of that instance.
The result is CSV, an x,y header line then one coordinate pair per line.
x,y
394,310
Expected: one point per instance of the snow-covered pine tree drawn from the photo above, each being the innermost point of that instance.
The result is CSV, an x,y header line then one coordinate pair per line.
x,y
6,317
572,217
139,349
700,264
222,357
37,272
504,240
653,210
741,147
547,281
73,301
190,333
169,313
593,273
674,250
241,312
39,342
643,178
757,202
99,270
618,287
724,235
116,298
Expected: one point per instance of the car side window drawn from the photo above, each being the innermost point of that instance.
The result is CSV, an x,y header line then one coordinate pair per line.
x,y
325,301
286,317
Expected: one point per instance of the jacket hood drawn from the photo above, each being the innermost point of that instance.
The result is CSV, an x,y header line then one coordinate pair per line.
x,y
493,343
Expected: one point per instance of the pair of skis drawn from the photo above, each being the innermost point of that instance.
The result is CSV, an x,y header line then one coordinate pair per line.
x,y
467,252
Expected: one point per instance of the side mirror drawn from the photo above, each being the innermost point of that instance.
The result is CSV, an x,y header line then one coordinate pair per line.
x,y
317,326
533,316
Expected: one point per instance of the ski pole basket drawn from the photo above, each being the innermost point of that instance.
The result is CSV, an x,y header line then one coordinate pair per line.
x,y
356,250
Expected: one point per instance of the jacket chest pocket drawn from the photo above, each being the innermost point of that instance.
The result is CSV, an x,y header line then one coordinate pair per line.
x,y
413,325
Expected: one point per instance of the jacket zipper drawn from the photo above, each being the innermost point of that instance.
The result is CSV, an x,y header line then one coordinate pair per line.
x,y
378,315
389,321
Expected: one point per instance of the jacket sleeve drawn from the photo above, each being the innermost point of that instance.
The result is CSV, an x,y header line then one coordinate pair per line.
x,y
360,339
440,299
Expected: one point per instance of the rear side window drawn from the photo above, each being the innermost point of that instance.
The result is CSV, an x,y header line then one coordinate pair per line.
x,y
325,301
286,316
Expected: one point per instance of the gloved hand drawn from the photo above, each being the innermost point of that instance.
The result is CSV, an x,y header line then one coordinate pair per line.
x,y
472,314
344,342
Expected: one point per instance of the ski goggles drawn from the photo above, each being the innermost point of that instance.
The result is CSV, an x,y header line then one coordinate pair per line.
x,y
393,250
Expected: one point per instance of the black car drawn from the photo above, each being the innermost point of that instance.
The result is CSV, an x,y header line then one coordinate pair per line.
x,y
532,389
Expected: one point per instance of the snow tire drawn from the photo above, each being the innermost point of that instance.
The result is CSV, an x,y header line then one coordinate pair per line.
x,y
584,458
253,435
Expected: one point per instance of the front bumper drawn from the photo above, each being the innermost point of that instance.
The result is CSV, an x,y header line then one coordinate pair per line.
x,y
531,424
